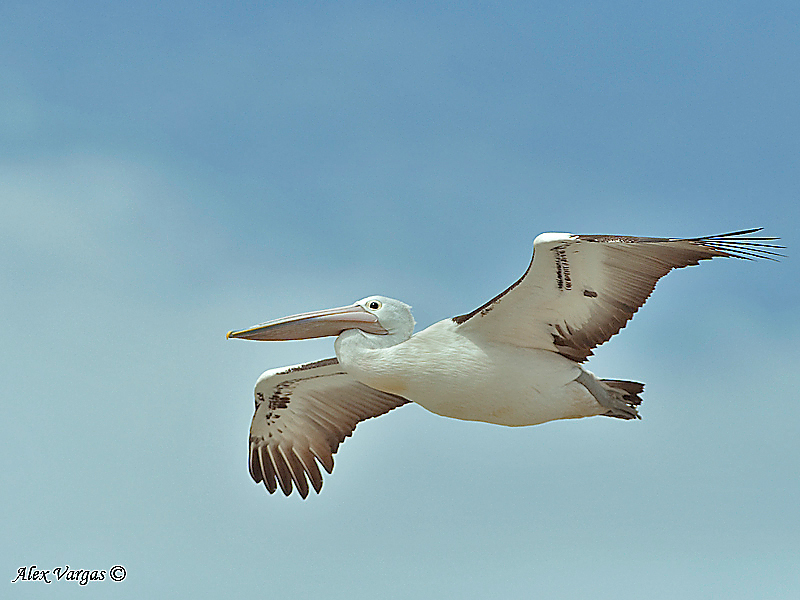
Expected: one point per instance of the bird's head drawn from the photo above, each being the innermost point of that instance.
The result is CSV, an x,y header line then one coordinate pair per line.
x,y
373,316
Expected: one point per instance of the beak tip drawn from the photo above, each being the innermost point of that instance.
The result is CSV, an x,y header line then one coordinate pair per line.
x,y
228,335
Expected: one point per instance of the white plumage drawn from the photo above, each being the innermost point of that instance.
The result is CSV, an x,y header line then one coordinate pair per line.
x,y
514,361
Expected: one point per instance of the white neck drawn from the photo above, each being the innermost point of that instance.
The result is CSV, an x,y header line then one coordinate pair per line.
x,y
364,357
355,340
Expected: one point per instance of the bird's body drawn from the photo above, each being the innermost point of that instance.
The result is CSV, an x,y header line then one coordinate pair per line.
x,y
458,375
515,361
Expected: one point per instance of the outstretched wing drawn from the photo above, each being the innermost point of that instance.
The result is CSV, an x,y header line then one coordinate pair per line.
x,y
579,290
303,413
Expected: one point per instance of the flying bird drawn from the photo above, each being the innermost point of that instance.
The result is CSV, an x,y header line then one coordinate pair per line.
x,y
515,361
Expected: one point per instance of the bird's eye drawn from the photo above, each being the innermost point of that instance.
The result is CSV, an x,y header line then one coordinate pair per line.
x,y
374,305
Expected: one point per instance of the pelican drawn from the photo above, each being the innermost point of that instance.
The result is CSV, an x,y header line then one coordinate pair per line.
x,y
515,361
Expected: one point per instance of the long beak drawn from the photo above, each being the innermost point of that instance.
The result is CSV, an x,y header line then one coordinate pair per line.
x,y
316,324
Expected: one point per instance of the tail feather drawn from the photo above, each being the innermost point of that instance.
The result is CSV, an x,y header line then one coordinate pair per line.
x,y
631,390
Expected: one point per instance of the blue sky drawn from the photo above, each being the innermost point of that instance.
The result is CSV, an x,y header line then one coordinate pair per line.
x,y
171,171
